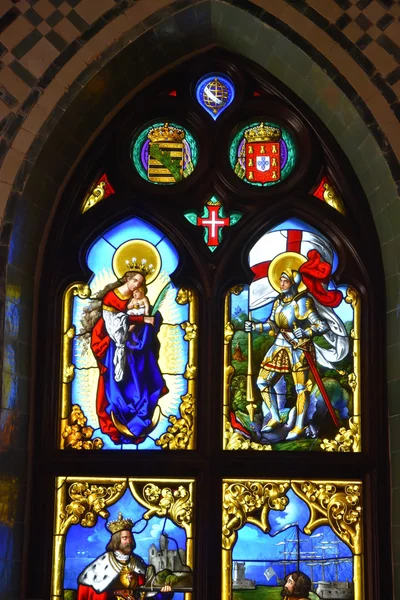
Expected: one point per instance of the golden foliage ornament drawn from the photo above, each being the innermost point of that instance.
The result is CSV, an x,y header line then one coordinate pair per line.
x,y
88,502
176,504
347,440
236,441
337,505
77,435
178,435
250,502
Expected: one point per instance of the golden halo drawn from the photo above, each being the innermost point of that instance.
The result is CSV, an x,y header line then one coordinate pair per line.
x,y
291,260
137,255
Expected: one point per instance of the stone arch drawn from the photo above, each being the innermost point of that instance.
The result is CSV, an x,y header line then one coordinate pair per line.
x,y
122,56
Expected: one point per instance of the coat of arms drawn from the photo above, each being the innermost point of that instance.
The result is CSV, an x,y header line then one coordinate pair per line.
x,y
262,153
164,153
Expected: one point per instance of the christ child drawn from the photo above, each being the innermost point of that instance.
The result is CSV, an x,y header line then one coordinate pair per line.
x,y
139,304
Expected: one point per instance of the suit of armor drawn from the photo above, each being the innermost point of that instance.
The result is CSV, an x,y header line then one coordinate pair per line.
x,y
292,312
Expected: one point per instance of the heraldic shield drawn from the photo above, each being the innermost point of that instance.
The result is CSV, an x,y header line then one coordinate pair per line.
x,y
166,154
263,155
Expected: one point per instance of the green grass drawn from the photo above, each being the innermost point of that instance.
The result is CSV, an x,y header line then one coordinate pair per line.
x,y
262,592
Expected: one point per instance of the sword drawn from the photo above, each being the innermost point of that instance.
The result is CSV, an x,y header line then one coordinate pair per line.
x,y
126,595
186,589
249,389
314,370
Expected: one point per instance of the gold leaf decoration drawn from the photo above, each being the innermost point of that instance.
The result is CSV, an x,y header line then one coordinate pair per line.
x,y
71,332
184,296
88,502
351,296
236,441
331,197
97,194
178,435
82,290
190,331
68,373
352,381
190,372
228,333
337,505
250,502
77,435
236,289
176,504
347,440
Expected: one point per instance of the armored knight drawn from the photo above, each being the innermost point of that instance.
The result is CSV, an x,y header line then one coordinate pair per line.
x,y
299,313
118,574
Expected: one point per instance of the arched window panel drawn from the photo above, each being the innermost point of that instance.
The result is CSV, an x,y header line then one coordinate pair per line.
x,y
200,188
292,348
123,537
303,536
129,347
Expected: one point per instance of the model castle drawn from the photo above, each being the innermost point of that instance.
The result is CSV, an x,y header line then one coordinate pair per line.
x,y
163,558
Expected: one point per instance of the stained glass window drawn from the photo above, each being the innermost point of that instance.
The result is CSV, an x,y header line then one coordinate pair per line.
x,y
292,538
123,538
220,314
292,376
127,337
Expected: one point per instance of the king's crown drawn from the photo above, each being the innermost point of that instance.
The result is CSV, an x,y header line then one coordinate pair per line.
x,y
166,133
120,524
139,266
262,133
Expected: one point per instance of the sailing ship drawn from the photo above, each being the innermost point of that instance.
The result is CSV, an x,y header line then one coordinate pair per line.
x,y
319,555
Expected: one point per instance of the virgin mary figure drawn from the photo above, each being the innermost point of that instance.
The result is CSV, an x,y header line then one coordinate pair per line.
x,y
130,383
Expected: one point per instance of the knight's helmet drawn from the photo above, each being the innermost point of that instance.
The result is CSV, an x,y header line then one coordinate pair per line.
x,y
295,279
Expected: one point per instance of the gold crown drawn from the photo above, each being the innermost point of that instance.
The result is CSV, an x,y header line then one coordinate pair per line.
x,y
262,133
148,262
120,524
166,133
140,266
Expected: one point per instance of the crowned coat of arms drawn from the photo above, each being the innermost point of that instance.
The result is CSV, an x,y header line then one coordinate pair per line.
x,y
263,153
166,154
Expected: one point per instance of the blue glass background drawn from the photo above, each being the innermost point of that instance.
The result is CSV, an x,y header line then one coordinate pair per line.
x,y
102,250
262,550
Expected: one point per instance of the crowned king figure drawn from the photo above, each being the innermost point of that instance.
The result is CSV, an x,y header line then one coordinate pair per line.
x,y
263,153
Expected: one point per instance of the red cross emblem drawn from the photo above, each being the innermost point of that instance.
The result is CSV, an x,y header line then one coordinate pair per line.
x,y
213,222
213,219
